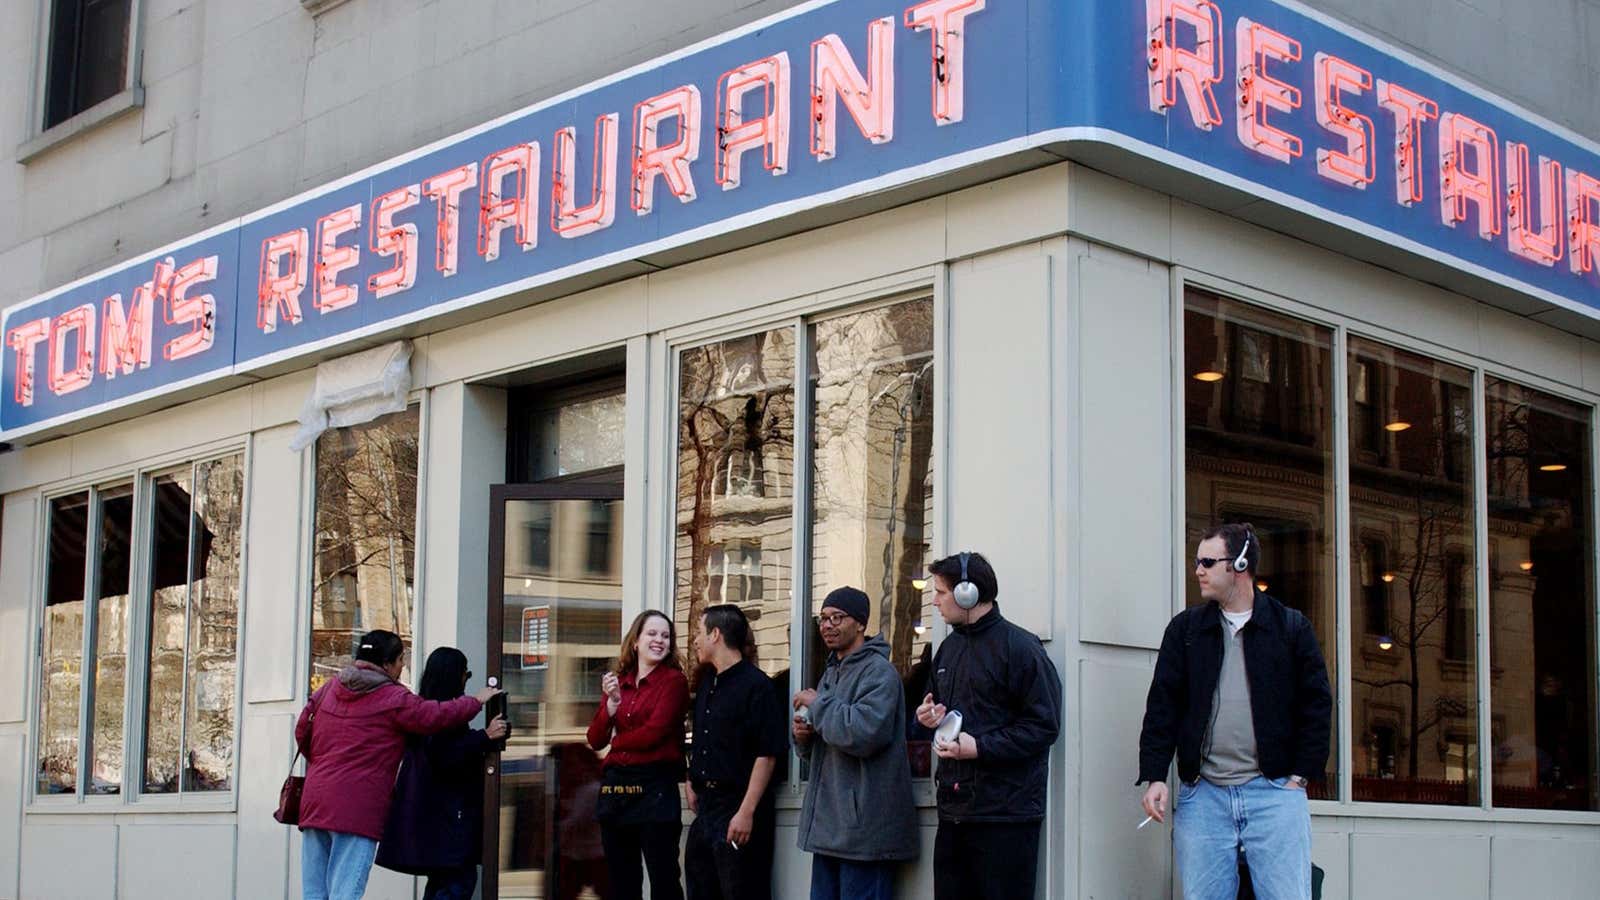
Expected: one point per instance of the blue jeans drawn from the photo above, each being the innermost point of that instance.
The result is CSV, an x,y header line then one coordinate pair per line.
x,y
1269,818
335,865
833,878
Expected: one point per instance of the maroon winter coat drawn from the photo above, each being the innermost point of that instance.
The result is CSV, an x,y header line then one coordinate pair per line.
x,y
353,750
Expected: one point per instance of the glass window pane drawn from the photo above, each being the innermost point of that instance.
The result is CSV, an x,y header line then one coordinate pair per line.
x,y
872,482
60,678
169,598
1258,448
366,528
1411,494
735,489
1541,599
580,436
213,626
115,544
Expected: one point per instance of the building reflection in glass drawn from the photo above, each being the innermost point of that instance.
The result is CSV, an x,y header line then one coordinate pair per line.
x,y
872,479
1541,599
1414,652
1258,426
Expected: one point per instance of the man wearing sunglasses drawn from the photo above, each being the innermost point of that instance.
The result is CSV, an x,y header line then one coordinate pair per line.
x,y
1241,694
859,819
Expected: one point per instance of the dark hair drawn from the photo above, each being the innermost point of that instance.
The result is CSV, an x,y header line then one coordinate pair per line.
x,y
445,676
1234,535
979,572
730,620
379,647
628,655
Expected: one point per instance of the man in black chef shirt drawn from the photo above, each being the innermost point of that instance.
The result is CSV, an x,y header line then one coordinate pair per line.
x,y
739,733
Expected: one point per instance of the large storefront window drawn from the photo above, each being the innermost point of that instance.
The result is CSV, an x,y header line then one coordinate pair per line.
x,y
1541,599
871,398
1260,439
174,540
195,534
868,406
735,509
365,545
1258,414
1414,675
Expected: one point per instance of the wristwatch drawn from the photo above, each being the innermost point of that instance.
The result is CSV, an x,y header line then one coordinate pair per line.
x,y
1297,781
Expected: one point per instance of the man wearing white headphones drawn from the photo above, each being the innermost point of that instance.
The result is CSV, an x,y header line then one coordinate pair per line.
x,y
996,709
1241,694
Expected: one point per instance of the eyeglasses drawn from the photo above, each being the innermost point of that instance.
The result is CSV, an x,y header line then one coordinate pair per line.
x,y
832,619
1206,562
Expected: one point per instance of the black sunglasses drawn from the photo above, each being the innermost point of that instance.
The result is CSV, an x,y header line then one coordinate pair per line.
x,y
1206,562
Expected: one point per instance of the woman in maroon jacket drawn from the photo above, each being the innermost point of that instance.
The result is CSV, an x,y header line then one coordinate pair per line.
x,y
352,734
641,718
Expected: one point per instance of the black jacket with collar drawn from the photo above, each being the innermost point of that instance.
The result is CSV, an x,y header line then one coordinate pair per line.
x,y
1008,693
1290,703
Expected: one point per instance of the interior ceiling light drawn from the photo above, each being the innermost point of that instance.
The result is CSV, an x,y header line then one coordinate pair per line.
x,y
1397,426
1208,375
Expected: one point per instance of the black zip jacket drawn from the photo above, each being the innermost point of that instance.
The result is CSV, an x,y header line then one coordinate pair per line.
x,y
1009,695
1290,703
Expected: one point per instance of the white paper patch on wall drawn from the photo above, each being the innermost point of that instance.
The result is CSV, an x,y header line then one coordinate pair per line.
x,y
354,389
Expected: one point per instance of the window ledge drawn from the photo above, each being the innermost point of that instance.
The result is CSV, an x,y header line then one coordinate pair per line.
x,y
317,7
110,108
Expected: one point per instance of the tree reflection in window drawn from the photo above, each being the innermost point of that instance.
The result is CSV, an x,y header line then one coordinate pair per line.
x,y
1416,497
365,544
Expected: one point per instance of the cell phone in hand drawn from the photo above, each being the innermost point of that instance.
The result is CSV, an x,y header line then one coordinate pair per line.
x,y
496,709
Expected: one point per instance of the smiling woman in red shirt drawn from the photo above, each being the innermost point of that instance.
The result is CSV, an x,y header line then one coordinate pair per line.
x,y
641,719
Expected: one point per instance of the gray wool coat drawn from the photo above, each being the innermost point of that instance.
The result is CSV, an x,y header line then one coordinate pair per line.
x,y
858,802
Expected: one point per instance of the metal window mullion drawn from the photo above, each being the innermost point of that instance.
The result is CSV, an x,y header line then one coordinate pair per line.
x,y
1343,512
419,535
800,559
1480,584
1594,589
91,587
188,608
141,630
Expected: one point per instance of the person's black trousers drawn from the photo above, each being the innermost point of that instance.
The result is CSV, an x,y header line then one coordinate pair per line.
x,y
985,860
715,870
657,843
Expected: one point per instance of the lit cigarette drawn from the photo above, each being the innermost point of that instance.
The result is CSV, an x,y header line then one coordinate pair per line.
x,y
733,843
1147,821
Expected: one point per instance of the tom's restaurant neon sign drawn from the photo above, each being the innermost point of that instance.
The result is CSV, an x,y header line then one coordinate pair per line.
x,y
826,102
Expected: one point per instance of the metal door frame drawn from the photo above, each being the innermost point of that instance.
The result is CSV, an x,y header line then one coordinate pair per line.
x,y
499,496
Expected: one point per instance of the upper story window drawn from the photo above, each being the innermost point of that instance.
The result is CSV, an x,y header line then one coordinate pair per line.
x,y
89,51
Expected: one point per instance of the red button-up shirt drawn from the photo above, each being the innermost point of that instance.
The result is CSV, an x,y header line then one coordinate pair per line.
x,y
648,726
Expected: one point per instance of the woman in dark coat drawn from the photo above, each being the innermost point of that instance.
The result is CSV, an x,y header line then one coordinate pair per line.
x,y
435,826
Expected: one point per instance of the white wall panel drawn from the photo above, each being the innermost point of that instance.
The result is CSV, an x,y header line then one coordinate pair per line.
x,y
13,753
19,527
1330,851
1392,866
274,583
1125,434
264,754
1001,378
69,862
172,859
1546,866
1114,859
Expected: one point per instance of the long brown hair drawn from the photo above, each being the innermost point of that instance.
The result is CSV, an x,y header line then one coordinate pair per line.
x,y
628,654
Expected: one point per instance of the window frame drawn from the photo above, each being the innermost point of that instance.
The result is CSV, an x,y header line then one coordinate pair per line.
x,y
131,797
1346,593
40,139
930,282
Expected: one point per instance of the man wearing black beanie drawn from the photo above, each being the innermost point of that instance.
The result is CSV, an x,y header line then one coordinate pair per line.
x,y
859,820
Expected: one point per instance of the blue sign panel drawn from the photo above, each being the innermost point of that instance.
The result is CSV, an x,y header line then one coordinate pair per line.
x,y
826,102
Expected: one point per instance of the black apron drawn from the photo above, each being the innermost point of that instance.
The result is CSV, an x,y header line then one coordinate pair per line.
x,y
639,795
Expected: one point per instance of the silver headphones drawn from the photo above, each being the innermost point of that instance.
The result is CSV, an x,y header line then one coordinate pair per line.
x,y
965,592
1239,562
